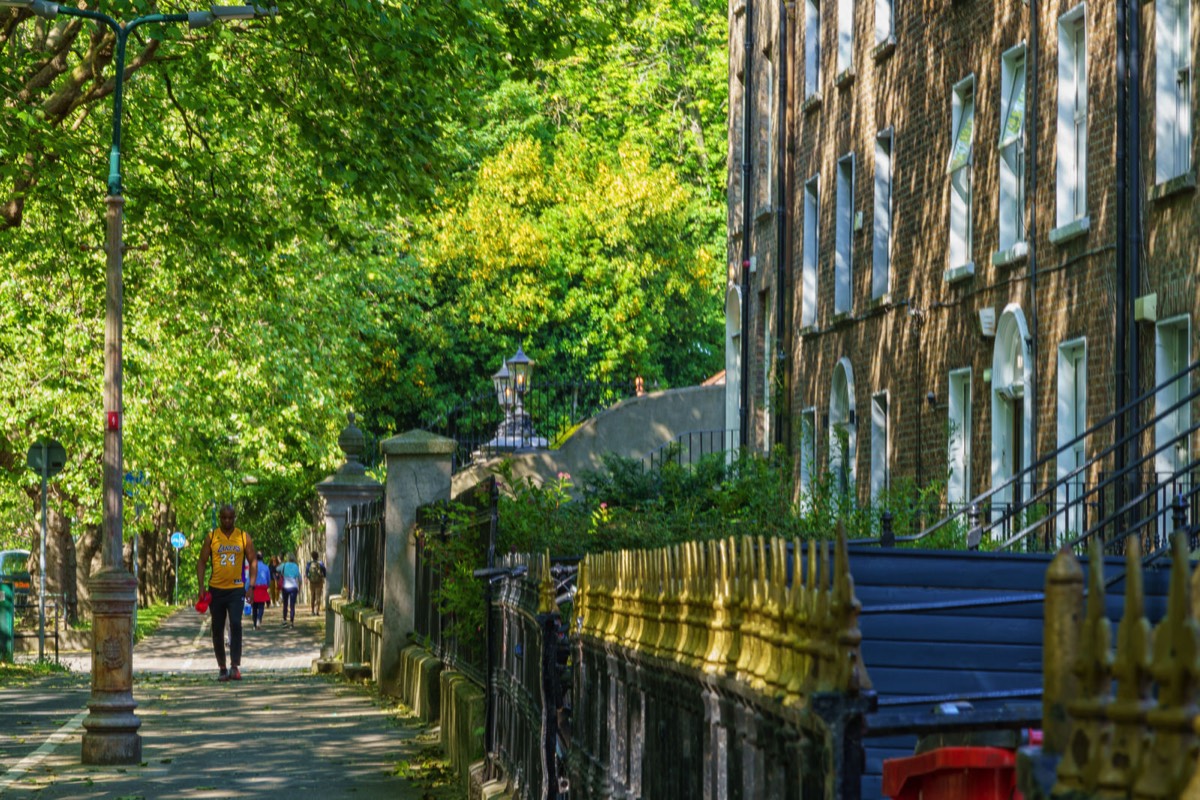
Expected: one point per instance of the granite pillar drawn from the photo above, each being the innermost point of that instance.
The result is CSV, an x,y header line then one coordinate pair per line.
x,y
418,473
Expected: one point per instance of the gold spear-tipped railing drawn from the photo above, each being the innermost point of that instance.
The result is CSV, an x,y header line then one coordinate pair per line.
x,y
1140,742
729,609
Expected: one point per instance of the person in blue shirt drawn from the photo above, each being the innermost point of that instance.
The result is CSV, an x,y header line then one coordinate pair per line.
x,y
290,571
260,596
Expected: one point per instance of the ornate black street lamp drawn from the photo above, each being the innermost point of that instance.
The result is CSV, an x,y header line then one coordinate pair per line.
x,y
111,727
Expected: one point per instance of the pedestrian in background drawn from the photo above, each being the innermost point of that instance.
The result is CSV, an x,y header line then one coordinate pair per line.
x,y
291,588
260,594
230,549
274,582
280,560
315,572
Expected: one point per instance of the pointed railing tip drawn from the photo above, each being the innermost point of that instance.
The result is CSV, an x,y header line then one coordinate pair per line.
x,y
1065,567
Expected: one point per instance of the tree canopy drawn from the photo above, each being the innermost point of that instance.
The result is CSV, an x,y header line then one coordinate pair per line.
x,y
360,205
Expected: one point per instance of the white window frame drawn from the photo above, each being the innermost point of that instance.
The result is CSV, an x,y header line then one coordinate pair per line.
x,y
812,48
1012,149
1172,354
843,467
1071,417
1173,89
808,450
960,168
880,425
958,482
1072,122
843,262
811,255
845,49
881,227
885,21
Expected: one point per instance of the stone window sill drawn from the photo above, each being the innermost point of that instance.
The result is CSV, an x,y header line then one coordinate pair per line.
x,y
811,103
883,300
840,318
808,330
959,273
1072,230
1014,255
884,49
844,78
1180,184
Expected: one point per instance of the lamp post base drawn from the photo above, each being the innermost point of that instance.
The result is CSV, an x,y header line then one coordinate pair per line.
x,y
111,727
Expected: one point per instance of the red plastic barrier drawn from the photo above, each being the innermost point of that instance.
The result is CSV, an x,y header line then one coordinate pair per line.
x,y
953,773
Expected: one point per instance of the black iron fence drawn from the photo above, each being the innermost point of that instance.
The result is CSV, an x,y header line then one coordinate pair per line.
x,y
447,549
528,684
547,414
688,448
723,670
362,571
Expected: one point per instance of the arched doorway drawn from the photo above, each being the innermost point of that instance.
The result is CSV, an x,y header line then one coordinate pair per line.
x,y
733,367
1012,413
842,428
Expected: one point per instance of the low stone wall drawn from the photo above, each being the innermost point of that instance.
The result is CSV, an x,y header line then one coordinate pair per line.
x,y
451,699
462,722
420,682
361,630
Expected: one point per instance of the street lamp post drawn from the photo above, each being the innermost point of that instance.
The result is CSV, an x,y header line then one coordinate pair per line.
x,y
111,735
511,382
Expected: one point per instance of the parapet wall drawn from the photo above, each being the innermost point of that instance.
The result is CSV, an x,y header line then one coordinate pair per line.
x,y
632,428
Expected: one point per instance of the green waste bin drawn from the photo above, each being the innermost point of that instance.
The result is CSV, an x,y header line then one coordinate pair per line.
x,y
6,622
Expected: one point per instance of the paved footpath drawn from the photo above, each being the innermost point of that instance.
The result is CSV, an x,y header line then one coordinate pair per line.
x,y
279,729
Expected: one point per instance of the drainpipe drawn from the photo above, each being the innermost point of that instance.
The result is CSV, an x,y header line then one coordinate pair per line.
x,y
1035,33
1129,235
783,228
1121,351
1133,188
747,224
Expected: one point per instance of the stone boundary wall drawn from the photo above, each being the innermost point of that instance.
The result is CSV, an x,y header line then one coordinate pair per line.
x,y
632,428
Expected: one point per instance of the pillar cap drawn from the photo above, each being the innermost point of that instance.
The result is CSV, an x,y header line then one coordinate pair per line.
x,y
351,472
417,443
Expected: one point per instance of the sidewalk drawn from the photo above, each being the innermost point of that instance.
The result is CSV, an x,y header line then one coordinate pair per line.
x,y
278,729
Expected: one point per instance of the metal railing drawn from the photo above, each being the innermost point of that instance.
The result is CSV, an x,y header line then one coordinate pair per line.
x,y
688,448
435,626
528,698
362,575
1105,495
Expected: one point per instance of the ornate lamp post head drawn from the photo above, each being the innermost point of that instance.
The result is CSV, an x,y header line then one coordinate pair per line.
x,y
521,367
502,380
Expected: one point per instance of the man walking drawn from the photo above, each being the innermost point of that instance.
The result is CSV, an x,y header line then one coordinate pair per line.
x,y
315,572
229,548
291,588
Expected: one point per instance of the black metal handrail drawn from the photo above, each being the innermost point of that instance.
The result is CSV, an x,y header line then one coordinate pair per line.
x,y
974,509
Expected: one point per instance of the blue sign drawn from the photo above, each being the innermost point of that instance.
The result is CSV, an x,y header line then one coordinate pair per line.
x,y
178,540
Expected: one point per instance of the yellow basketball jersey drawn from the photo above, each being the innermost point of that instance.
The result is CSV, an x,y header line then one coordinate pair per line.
x,y
228,554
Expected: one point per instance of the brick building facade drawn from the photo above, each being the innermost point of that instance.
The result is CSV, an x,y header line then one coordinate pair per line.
x,y
966,280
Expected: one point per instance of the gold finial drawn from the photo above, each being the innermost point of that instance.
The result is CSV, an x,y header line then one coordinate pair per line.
x,y
547,602
1080,766
1063,612
1176,670
851,675
1131,668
